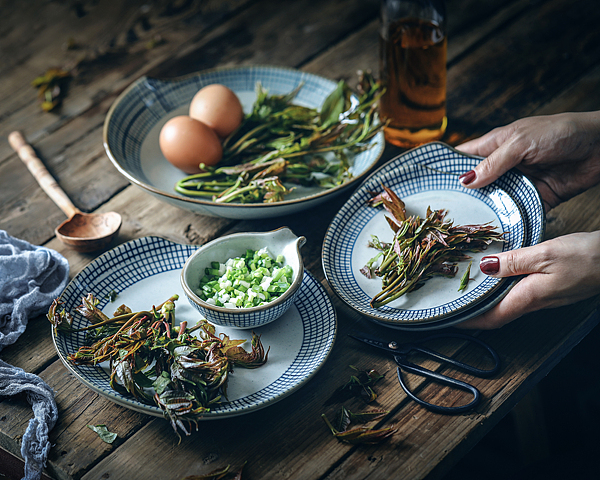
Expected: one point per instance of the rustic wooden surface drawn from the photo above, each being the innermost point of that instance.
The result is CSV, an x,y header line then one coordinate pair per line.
x,y
506,60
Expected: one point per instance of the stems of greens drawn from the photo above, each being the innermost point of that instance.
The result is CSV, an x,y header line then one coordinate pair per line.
x,y
421,248
158,362
279,142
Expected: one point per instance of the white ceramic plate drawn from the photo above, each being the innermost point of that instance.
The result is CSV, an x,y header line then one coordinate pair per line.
x,y
133,124
145,272
428,176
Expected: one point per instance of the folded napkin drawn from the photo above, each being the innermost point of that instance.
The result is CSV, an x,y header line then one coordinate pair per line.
x,y
31,277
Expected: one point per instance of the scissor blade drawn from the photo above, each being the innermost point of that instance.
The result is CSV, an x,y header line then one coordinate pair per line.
x,y
374,342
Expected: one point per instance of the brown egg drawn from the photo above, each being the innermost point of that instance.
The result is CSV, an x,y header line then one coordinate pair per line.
x,y
186,143
218,107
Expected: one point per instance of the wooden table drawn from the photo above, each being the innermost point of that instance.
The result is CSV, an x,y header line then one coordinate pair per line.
x,y
507,59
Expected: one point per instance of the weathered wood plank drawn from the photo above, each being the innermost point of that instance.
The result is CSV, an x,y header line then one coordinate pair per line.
x,y
442,440
75,446
306,25
539,55
111,38
34,350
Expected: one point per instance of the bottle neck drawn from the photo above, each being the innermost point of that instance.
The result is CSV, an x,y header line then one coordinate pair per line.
x,y
429,10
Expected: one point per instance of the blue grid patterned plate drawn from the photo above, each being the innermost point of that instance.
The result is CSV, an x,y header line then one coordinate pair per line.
x,y
533,215
133,124
146,271
428,176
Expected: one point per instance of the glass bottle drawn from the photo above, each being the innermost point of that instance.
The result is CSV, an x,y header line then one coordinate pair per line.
x,y
413,47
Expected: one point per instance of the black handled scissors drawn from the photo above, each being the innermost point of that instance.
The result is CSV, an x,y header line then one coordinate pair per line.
x,y
400,351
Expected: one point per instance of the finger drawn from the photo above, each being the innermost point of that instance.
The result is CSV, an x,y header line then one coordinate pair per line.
x,y
522,261
496,164
481,146
494,318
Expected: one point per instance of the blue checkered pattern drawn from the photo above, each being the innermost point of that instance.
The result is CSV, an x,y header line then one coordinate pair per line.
x,y
245,317
320,323
433,166
148,100
143,258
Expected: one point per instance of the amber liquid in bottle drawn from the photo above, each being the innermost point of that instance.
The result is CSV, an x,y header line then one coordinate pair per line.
x,y
413,69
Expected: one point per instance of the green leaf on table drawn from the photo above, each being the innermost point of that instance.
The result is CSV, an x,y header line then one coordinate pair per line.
x,y
103,433
361,434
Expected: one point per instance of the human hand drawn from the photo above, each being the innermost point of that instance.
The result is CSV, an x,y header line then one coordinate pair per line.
x,y
559,272
559,153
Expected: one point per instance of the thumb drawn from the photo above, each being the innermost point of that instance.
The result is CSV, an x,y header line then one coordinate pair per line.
x,y
522,261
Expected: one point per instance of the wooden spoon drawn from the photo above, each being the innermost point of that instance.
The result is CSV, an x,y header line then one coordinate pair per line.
x,y
84,232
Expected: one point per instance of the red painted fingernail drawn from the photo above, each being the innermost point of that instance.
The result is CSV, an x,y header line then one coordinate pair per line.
x,y
490,265
467,177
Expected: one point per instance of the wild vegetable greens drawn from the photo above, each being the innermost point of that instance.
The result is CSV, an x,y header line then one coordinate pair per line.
x,y
103,432
360,385
280,142
158,362
421,248
361,434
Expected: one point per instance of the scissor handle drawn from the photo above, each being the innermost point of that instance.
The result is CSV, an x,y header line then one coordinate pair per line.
x,y
423,372
461,365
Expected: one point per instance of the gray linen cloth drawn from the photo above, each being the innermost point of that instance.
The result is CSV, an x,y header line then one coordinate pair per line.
x,y
31,277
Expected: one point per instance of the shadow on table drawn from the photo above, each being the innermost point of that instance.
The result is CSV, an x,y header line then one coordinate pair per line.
x,y
570,407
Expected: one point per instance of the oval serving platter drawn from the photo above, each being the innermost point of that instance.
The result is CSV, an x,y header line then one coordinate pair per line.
x,y
133,124
422,177
146,271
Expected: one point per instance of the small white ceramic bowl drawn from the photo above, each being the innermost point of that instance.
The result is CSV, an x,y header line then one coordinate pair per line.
x,y
278,242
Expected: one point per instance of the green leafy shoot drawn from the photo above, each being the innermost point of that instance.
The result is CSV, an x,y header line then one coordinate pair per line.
x,y
51,87
361,434
421,248
61,320
103,433
281,144
360,385
464,281
158,362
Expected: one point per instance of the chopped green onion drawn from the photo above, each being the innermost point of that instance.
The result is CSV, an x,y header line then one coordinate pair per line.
x,y
245,282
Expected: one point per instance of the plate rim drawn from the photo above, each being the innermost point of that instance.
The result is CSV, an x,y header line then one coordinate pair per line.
x,y
378,144
407,323
154,410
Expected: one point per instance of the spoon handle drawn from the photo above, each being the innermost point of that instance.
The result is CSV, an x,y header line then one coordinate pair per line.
x,y
41,173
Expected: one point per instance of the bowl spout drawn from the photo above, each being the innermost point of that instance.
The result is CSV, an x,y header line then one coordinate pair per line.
x,y
285,236
285,241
